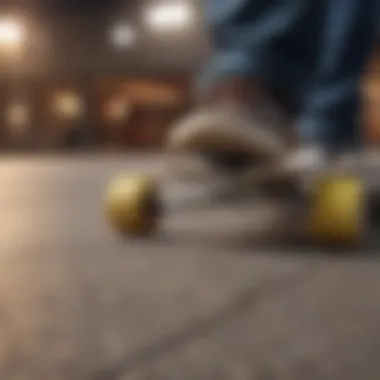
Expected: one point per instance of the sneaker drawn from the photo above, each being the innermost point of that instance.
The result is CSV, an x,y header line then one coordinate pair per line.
x,y
239,125
216,129
228,137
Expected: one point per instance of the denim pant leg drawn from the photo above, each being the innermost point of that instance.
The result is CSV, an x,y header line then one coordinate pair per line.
x,y
331,114
314,51
277,41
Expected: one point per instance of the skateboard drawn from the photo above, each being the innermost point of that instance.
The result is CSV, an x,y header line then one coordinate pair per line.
x,y
337,206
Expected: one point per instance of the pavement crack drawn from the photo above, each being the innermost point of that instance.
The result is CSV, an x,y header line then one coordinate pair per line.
x,y
244,301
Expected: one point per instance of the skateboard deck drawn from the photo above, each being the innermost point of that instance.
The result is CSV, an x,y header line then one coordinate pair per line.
x,y
336,193
336,206
202,183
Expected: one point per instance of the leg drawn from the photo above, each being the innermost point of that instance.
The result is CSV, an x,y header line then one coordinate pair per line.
x,y
331,111
265,53
271,41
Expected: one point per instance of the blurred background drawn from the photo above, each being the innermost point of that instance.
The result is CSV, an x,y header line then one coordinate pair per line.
x,y
91,73
108,74
205,299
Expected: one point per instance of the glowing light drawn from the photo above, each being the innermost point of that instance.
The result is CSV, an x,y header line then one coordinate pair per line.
x,y
122,36
68,105
117,109
17,116
12,33
169,16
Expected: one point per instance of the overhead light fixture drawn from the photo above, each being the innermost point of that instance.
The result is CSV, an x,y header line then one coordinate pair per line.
x,y
12,34
169,16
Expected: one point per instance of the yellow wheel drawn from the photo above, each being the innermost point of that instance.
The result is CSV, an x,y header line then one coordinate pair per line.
x,y
337,211
132,204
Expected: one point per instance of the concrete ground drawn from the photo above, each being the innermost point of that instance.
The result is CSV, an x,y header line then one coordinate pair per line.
x,y
200,301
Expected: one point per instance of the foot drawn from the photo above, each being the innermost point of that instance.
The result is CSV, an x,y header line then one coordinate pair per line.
x,y
239,125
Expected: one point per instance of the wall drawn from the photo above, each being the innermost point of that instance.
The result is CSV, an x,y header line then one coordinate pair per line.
x,y
79,45
126,112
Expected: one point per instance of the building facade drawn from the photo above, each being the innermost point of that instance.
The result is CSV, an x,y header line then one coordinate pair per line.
x,y
122,111
72,86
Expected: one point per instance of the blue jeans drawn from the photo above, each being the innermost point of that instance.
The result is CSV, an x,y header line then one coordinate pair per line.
x,y
313,51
